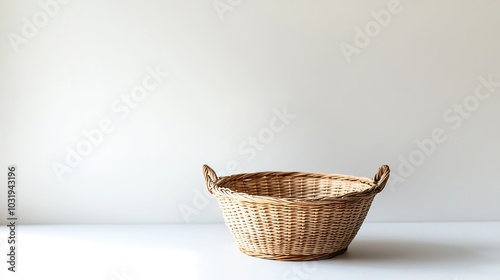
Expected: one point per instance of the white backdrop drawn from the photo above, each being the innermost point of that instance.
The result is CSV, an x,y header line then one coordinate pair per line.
x,y
110,108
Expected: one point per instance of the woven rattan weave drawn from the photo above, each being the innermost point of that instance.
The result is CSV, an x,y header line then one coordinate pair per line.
x,y
294,215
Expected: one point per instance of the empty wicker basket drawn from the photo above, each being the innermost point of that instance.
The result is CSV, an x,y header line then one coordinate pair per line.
x,y
294,215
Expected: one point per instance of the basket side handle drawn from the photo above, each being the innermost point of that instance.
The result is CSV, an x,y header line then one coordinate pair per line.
x,y
380,179
210,177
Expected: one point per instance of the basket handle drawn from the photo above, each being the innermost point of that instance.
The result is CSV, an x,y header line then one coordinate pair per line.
x,y
210,177
380,179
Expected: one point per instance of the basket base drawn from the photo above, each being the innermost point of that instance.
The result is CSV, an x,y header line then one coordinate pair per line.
x,y
295,257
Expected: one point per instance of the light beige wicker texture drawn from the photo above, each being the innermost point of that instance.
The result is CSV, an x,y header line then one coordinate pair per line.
x,y
294,215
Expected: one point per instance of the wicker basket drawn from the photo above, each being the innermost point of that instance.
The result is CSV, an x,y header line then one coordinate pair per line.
x,y
294,215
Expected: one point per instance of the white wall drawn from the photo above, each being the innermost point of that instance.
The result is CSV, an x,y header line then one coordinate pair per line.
x,y
228,75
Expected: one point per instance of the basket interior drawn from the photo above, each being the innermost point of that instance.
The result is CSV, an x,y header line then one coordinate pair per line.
x,y
295,185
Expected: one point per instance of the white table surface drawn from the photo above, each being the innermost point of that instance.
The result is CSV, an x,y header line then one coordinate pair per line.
x,y
445,251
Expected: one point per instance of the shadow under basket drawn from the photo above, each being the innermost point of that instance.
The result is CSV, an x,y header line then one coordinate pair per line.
x,y
294,216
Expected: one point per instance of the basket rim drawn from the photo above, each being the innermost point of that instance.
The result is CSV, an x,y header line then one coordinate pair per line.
x,y
218,189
